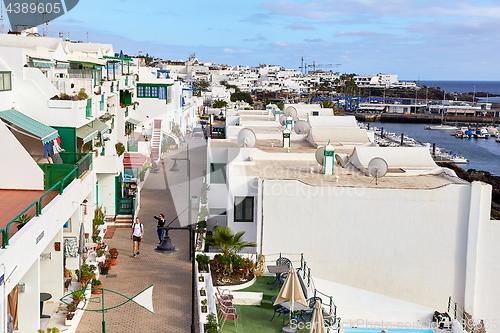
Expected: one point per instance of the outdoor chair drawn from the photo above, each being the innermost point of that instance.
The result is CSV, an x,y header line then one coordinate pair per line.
x,y
307,314
222,302
279,309
224,294
228,313
282,261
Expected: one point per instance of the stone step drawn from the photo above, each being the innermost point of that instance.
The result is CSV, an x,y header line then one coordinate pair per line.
x,y
123,221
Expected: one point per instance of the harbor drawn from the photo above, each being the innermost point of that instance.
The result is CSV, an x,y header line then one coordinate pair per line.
x,y
390,139
482,154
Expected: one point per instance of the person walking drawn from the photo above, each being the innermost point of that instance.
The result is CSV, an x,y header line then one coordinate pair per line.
x,y
136,235
161,223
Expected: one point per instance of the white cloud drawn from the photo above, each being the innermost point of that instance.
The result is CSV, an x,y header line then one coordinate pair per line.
x,y
297,26
313,40
228,50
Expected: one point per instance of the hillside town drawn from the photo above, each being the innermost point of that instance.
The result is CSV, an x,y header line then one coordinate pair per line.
x,y
370,232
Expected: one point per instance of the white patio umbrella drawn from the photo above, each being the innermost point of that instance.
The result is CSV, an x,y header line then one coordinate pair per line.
x,y
317,323
291,291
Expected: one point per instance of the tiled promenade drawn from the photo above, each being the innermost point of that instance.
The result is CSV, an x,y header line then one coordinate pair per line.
x,y
169,273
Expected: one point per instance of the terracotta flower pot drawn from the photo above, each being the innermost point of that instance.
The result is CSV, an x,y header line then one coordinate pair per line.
x,y
96,291
113,261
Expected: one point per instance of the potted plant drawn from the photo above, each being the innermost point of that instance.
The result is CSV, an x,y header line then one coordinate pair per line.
x,y
120,148
203,261
203,292
204,307
100,252
104,266
211,325
96,286
203,214
22,220
201,278
68,274
113,253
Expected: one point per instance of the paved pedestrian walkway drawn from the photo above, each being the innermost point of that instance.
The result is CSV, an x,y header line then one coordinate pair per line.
x,y
169,273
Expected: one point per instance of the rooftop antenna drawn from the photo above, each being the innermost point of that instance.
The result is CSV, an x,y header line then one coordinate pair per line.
x,y
246,138
319,154
377,167
302,127
340,160
290,112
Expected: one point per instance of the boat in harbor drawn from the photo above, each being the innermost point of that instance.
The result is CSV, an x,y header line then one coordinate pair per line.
x,y
441,128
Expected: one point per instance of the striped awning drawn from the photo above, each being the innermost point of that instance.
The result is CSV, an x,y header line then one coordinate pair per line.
x,y
91,130
62,64
133,121
43,63
30,125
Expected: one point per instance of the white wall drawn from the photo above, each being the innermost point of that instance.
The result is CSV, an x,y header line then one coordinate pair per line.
x,y
404,243
19,171
106,188
482,297
29,301
51,270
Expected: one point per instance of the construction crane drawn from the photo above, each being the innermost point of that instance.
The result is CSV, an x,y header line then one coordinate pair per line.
x,y
322,65
303,66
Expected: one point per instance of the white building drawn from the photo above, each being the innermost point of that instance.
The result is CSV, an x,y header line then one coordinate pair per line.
x,y
419,235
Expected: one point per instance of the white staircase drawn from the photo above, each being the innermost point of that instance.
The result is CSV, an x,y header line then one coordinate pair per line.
x,y
156,141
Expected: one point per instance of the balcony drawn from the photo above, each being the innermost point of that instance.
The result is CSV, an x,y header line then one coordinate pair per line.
x,y
74,113
55,173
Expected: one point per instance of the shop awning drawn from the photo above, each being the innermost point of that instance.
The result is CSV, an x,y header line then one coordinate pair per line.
x,y
133,121
42,131
62,64
45,63
91,130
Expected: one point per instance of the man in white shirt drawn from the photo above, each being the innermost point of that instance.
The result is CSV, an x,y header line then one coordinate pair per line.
x,y
136,234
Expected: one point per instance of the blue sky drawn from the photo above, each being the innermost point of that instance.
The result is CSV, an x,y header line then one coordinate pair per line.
x,y
430,40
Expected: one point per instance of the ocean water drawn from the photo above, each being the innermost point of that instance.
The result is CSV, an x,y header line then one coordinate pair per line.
x,y
483,154
461,87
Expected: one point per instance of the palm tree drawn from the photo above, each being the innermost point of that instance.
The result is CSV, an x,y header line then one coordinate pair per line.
x,y
229,242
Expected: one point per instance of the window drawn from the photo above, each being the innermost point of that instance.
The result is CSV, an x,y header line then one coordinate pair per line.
x,y
140,91
315,113
243,209
147,91
217,173
154,91
217,211
5,83
162,93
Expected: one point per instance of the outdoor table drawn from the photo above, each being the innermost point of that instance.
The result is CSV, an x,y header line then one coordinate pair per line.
x,y
44,297
278,270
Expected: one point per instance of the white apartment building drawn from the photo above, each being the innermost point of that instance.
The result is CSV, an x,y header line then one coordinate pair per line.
x,y
416,236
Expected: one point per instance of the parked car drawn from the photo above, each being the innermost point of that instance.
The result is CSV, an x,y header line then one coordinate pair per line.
x,y
198,133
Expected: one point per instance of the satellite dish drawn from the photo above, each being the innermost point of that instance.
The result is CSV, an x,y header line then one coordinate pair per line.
x,y
339,160
246,138
377,168
290,112
320,155
283,120
302,127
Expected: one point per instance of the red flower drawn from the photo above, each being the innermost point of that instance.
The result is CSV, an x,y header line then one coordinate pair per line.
x,y
215,259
